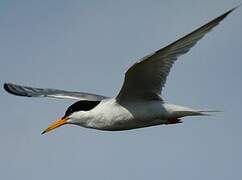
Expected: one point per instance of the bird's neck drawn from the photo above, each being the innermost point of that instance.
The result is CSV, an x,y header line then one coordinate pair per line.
x,y
81,118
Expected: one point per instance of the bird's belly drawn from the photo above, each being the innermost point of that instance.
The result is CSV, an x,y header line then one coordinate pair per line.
x,y
112,119
124,117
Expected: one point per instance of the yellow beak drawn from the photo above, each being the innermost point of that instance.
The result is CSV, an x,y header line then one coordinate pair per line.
x,y
56,124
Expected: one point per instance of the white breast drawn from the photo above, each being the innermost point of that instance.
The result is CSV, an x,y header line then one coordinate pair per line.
x,y
110,115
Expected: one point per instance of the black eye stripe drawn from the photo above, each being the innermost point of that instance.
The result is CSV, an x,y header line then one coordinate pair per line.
x,y
81,106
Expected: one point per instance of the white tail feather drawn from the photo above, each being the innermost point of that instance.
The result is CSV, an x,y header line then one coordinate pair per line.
x,y
207,112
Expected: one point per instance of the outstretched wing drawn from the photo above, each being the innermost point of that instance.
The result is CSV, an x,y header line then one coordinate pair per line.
x,y
146,78
52,93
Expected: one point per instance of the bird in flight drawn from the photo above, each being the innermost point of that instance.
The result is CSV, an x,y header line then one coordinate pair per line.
x,y
139,103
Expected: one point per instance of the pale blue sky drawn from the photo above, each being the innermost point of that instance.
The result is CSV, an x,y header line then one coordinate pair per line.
x,y
87,46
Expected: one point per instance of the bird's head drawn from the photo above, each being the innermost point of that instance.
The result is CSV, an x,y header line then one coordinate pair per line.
x,y
73,115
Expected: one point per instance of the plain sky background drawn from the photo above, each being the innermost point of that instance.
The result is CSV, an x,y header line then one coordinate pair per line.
x,y
88,46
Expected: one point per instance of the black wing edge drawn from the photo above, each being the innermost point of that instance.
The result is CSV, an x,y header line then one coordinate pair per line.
x,y
28,91
214,22
15,89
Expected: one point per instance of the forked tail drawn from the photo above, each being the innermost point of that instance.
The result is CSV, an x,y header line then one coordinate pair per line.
x,y
207,112
182,111
193,112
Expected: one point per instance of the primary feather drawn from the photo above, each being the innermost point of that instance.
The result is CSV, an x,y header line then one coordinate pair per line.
x,y
52,93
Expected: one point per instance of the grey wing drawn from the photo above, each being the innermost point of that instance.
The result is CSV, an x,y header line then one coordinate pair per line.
x,y
52,93
146,78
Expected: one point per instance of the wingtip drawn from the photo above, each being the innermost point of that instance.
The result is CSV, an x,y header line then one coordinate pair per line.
x,y
223,16
6,87
231,10
237,6
14,89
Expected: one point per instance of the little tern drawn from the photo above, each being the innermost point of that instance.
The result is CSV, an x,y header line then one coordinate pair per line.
x,y
139,103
